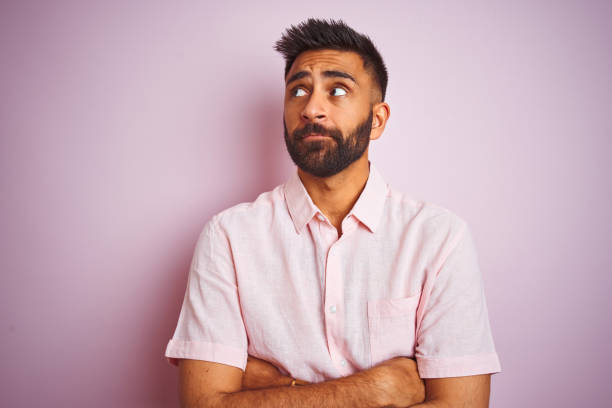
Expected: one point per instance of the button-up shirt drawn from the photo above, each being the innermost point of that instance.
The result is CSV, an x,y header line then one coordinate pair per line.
x,y
272,278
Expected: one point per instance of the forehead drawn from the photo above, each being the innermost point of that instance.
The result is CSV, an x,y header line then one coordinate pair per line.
x,y
325,60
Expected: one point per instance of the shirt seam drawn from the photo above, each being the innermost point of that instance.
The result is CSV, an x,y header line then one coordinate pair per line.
x,y
438,266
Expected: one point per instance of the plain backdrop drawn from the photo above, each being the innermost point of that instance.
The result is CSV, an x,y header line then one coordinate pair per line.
x,y
125,125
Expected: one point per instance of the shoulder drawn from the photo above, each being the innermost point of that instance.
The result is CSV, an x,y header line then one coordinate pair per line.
x,y
430,229
263,209
432,224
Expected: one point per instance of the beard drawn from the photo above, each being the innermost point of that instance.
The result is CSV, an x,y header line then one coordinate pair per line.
x,y
326,157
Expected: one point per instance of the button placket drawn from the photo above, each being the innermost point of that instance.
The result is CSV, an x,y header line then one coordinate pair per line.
x,y
334,322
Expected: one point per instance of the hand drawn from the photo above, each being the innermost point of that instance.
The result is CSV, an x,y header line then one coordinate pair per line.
x,y
400,382
261,374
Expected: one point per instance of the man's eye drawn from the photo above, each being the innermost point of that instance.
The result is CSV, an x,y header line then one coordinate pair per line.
x,y
299,92
338,91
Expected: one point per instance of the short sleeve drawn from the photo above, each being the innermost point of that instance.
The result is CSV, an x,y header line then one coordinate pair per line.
x,y
454,336
210,325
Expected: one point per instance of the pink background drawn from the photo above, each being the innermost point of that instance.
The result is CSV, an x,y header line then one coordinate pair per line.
x,y
125,125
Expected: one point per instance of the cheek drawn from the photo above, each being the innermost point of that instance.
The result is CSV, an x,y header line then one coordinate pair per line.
x,y
291,111
343,119
292,116
287,115
290,122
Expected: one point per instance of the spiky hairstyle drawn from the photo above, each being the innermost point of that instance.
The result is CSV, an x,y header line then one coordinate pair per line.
x,y
318,34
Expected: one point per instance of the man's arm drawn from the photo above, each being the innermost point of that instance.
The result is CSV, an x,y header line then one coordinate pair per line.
x,y
469,392
465,391
392,383
262,374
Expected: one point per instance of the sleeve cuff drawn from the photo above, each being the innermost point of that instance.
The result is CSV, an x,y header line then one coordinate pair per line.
x,y
437,367
201,350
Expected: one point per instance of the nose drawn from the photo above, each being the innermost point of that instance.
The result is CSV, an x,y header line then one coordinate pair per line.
x,y
314,110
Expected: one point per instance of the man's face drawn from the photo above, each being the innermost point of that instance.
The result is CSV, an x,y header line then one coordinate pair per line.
x,y
328,111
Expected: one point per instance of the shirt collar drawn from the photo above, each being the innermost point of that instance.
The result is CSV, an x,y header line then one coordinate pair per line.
x,y
368,208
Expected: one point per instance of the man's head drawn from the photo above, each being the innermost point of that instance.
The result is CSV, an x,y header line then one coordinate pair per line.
x,y
335,86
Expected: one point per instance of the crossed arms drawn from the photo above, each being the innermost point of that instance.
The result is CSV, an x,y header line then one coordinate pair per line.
x,y
393,383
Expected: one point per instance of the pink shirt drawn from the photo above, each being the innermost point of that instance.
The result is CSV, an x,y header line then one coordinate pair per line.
x,y
272,279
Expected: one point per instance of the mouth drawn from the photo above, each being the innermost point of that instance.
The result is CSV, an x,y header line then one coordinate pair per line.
x,y
315,136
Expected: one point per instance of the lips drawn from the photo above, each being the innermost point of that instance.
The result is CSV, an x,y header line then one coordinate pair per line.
x,y
315,136
314,131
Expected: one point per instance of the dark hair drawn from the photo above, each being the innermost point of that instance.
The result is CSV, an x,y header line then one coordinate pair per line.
x,y
317,34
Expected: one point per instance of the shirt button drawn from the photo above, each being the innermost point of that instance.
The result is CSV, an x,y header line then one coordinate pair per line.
x,y
332,309
343,363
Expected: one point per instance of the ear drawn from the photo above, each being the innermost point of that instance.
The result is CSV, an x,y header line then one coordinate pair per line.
x,y
380,115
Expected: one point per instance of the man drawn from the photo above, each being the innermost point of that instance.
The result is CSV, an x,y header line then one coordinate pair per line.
x,y
334,280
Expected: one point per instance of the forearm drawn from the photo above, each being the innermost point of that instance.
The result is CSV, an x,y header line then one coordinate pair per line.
x,y
358,390
432,404
467,391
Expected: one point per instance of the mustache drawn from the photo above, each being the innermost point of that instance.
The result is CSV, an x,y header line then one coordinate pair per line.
x,y
315,128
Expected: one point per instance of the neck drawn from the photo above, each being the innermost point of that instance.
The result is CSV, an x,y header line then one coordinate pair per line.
x,y
336,195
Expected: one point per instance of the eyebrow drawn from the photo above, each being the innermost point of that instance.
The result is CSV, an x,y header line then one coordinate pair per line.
x,y
326,74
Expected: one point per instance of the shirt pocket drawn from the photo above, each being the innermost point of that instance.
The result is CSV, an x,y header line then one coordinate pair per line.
x,y
392,326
